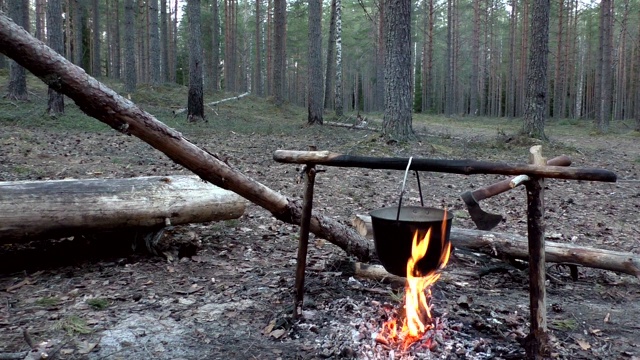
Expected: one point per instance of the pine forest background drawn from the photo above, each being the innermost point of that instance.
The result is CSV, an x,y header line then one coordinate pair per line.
x,y
470,56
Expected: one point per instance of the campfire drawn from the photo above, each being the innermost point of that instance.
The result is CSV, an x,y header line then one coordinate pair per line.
x,y
414,323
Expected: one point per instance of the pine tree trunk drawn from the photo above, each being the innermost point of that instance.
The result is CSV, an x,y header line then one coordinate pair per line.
x,y
511,90
279,20
68,30
428,73
314,80
558,91
55,41
380,54
195,103
154,43
397,71
258,89
115,44
17,89
475,60
130,74
215,45
78,23
174,50
524,47
96,65
637,82
329,94
40,19
164,42
3,59
606,83
535,110
449,101
339,102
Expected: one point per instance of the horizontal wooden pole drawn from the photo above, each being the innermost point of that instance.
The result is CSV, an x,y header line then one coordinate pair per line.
x,y
465,167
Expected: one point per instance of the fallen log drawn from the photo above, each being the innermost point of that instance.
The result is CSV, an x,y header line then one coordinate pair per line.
x,y
99,101
514,246
31,210
214,103
355,126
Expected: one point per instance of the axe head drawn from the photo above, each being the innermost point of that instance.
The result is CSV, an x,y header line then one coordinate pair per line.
x,y
482,219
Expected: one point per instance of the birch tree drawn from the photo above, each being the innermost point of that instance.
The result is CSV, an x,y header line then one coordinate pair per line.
x,y
339,103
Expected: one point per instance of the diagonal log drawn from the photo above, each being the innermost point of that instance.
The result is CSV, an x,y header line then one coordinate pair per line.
x,y
99,101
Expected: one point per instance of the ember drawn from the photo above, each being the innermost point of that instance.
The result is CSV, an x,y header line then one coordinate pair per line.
x,y
417,308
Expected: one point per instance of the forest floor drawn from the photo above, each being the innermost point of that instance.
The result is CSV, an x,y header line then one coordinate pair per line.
x,y
232,299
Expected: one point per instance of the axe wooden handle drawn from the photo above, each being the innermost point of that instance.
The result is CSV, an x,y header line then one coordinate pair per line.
x,y
502,186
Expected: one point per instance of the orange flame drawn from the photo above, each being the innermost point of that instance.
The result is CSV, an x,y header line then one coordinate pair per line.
x,y
417,296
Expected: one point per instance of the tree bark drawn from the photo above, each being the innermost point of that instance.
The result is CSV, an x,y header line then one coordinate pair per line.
x,y
195,101
258,88
329,89
339,102
40,19
606,83
475,60
154,44
55,105
397,71
280,21
130,75
164,42
537,97
215,46
31,210
558,90
77,17
17,89
314,80
96,65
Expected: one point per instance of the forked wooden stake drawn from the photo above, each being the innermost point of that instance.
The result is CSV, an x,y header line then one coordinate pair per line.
x,y
536,343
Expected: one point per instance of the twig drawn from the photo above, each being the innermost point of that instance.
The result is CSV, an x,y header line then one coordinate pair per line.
x,y
27,338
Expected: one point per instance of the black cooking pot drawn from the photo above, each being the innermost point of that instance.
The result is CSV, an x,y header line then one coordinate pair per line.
x,y
393,236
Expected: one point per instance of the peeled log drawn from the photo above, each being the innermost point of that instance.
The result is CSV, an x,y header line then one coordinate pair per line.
x,y
515,246
57,208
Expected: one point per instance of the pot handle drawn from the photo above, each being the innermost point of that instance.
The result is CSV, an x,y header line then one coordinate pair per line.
x,y
404,182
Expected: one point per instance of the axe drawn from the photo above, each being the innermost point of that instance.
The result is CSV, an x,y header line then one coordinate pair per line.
x,y
485,220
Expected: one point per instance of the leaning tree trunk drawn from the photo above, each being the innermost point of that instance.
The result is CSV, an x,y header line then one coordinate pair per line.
x,y
55,105
104,104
